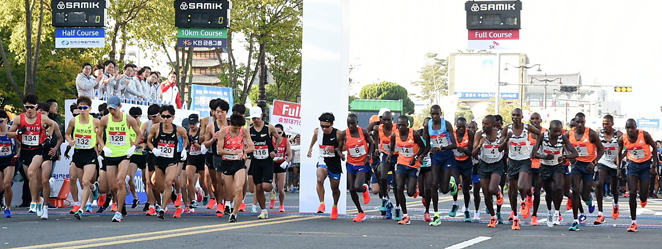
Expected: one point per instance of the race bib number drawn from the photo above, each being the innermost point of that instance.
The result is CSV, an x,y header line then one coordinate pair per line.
x,y
582,150
167,150
5,150
357,151
555,161
261,152
490,151
439,140
139,149
386,147
406,151
231,157
83,141
117,138
30,140
637,152
518,148
195,150
458,154
325,153
610,153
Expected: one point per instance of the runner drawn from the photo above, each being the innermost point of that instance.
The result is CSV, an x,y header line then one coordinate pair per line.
x,y
442,143
262,162
425,178
382,137
8,154
588,145
117,150
411,149
163,141
607,167
51,154
504,160
536,182
241,110
328,164
195,162
640,167
519,165
29,129
179,193
553,148
359,150
475,178
81,134
281,161
209,200
237,144
211,138
152,197
567,182
490,169
464,162
138,159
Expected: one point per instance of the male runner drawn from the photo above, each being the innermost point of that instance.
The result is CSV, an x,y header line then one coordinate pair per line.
x,y
463,159
328,165
475,178
209,200
640,147
504,160
382,137
138,159
195,162
533,197
51,155
425,177
607,167
8,152
154,118
281,161
211,139
359,146
262,162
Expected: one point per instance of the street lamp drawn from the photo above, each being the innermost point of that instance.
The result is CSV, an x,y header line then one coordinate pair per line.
x,y
497,97
546,82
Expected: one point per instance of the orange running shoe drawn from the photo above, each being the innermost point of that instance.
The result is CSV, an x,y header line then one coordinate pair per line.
x,y
525,210
534,221
615,213
366,194
178,213
515,225
627,194
101,200
178,202
568,204
405,220
499,198
281,209
643,203
272,203
334,213
512,215
493,222
633,227
151,211
114,207
599,220
321,209
242,207
211,204
529,202
74,209
360,217
219,211
415,194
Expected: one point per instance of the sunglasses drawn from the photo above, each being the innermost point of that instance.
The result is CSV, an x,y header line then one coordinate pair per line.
x,y
166,116
325,126
30,106
2,120
83,107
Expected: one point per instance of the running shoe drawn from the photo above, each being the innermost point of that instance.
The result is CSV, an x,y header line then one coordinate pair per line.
x,y
178,213
453,186
161,214
626,195
7,213
294,190
615,213
643,203
529,201
558,219
334,213
233,218
205,201
493,222
101,210
40,208
151,211
178,201
272,203
242,207
321,209
281,209
187,210
582,218
263,215
422,201
426,217
499,198
534,221
366,194
219,211
79,215
135,203
453,211
515,225
590,205
33,207
599,220
574,226
476,216
194,204
405,221
550,221
359,217
398,214
227,210
633,227
498,215
211,204
467,216
198,194
512,215
383,206
415,194
74,209
389,211
254,209
95,192
436,221
102,200
114,207
117,217
525,210
88,208
568,204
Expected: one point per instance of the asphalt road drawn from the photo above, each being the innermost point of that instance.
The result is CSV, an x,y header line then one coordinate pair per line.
x,y
294,230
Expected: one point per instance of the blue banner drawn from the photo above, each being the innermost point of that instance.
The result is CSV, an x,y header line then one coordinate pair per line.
x,y
486,95
648,123
202,42
79,33
201,95
140,188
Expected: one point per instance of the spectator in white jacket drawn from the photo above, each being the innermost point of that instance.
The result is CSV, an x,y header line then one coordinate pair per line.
x,y
154,86
85,82
131,86
143,78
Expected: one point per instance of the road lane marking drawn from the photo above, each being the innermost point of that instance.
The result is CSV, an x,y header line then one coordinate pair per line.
x,y
469,243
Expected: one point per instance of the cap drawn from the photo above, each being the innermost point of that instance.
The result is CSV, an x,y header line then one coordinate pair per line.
x,y
256,112
382,111
114,102
374,118
193,118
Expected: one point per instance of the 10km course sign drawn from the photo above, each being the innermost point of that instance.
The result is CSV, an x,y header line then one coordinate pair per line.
x,y
202,37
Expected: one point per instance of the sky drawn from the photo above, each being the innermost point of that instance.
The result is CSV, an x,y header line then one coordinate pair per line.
x,y
610,42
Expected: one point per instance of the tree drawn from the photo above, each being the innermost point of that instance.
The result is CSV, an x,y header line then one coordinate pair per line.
x,y
505,110
390,91
463,110
433,78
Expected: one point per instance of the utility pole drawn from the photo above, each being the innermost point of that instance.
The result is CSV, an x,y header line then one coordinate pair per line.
x,y
262,93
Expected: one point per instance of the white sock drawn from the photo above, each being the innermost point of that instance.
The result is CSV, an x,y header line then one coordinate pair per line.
x,y
455,203
76,203
514,217
634,221
599,213
577,221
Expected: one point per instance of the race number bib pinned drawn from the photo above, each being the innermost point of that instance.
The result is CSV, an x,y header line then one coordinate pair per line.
x,y
83,141
637,152
386,147
357,151
440,140
325,153
167,150
406,151
30,140
117,138
490,151
610,153
5,150
555,161
582,150
518,148
261,152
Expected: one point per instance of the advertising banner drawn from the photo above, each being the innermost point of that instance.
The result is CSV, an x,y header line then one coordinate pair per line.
x,y
288,114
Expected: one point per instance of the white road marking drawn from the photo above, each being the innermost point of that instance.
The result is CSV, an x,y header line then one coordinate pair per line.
x,y
658,213
469,243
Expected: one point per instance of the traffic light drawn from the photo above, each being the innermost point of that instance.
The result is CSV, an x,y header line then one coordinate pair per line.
x,y
623,89
568,89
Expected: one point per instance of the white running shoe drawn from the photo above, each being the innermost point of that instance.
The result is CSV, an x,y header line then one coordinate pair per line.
x,y
44,215
263,215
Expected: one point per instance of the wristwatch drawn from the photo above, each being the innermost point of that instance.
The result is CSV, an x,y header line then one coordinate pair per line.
x,y
416,157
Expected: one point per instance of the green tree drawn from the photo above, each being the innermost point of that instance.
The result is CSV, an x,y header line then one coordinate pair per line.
x,y
390,91
433,78
463,110
505,110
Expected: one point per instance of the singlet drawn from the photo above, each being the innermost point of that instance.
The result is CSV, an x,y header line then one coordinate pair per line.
x,y
489,151
426,160
263,144
438,138
233,144
638,151
555,149
296,153
535,162
408,149
167,143
281,151
133,137
34,134
357,147
385,141
6,147
586,149
329,159
518,145
194,139
611,149
117,138
463,143
84,136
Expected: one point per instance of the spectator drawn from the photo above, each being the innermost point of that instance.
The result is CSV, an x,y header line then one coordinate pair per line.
x,y
143,78
130,84
170,91
154,86
108,84
85,82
